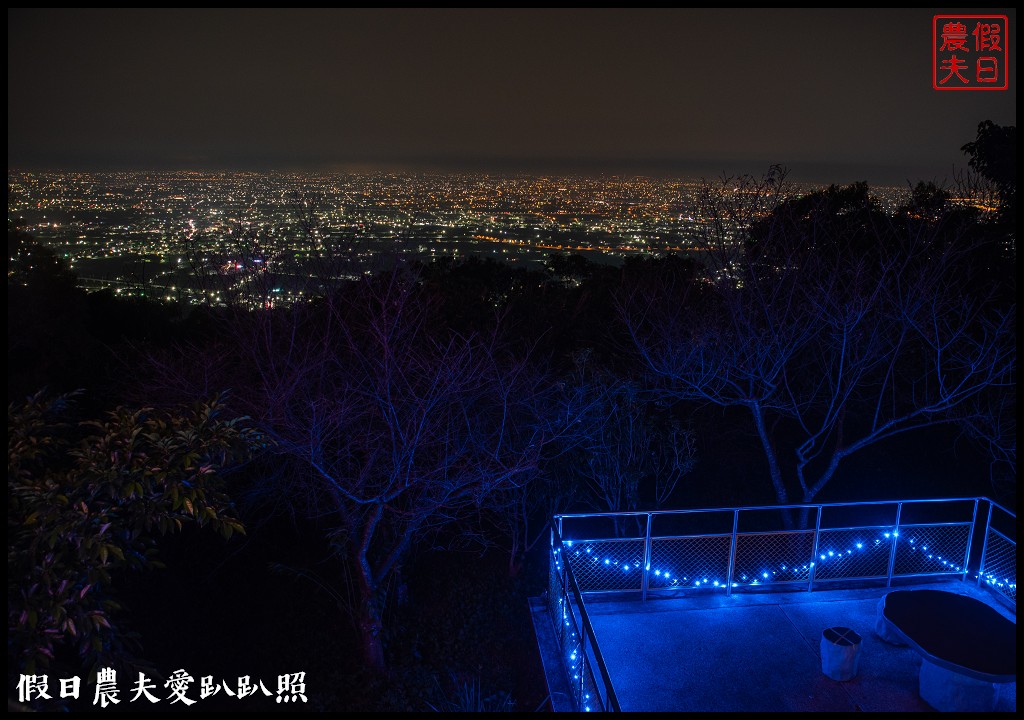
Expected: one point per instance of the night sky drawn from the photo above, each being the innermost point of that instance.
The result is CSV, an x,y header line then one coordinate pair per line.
x,y
837,95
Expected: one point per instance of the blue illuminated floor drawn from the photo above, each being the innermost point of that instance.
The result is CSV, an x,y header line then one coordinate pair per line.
x,y
757,653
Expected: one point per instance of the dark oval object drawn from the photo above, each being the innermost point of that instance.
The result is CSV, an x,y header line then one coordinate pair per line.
x,y
956,631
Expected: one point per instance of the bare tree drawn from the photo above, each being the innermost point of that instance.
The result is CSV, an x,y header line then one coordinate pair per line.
x,y
827,320
390,424
522,512
573,413
991,420
634,455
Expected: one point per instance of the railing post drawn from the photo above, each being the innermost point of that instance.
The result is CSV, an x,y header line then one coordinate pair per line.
x,y
552,541
563,604
970,540
584,665
732,553
646,570
984,544
568,619
895,539
814,550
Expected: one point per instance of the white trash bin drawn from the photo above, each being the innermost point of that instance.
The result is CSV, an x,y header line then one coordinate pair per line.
x,y
840,653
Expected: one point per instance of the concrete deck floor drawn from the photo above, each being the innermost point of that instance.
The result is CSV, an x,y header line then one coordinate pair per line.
x,y
759,653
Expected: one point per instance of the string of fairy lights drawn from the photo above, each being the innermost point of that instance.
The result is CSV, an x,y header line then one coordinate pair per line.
x,y
780,572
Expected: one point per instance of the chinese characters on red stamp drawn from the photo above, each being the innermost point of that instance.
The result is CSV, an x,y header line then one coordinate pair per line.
x,y
970,52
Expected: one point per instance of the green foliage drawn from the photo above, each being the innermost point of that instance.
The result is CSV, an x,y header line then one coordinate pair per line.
x,y
88,500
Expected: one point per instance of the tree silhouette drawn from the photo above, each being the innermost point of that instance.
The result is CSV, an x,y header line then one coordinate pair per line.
x,y
993,155
86,502
390,425
833,325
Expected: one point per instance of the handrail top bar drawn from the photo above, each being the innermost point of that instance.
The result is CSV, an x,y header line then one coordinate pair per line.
x,y
991,530
993,503
750,533
808,506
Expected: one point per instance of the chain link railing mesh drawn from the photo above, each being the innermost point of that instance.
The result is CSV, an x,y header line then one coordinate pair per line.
x,y
689,562
572,656
591,698
773,557
856,553
603,565
931,549
1000,571
555,595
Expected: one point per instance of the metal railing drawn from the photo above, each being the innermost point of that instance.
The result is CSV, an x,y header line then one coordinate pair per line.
x,y
769,548
580,653
997,568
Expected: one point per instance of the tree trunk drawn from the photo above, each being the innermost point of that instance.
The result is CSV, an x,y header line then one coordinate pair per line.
x,y
368,619
769,452
515,563
369,629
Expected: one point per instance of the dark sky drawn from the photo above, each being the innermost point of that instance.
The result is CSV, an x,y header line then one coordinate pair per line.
x,y
837,95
